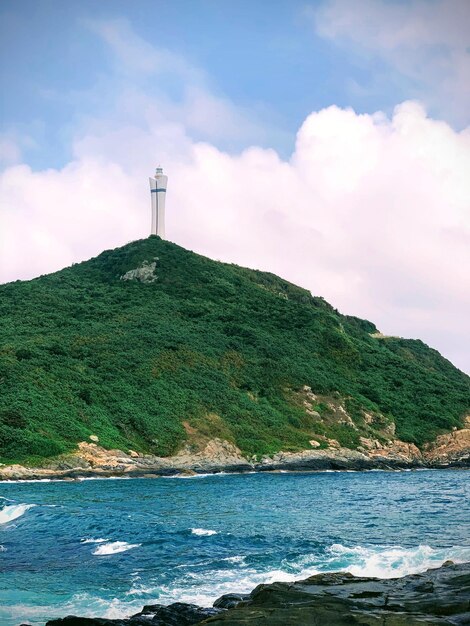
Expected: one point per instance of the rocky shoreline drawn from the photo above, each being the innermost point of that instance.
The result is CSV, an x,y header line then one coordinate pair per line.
x,y
437,596
90,460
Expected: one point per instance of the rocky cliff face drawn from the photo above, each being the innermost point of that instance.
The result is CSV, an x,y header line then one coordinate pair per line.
x,y
436,597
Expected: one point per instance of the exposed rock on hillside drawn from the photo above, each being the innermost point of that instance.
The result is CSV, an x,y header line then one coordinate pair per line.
x,y
143,274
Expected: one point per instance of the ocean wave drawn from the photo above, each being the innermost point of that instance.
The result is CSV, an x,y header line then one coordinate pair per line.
x,y
184,477
377,561
63,479
13,511
392,561
93,540
204,587
114,547
83,604
10,481
86,478
210,475
203,532
234,559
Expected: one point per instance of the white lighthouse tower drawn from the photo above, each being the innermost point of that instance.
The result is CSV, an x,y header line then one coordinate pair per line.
x,y
158,193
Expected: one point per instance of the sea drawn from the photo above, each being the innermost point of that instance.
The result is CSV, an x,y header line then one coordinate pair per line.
x,y
107,547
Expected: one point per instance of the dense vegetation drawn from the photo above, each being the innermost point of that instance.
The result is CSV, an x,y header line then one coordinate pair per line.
x,y
222,348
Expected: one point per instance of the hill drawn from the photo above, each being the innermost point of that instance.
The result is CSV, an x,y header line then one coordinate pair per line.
x,y
150,345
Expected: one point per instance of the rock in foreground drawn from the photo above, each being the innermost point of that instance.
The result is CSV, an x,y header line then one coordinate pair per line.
x,y
177,614
438,596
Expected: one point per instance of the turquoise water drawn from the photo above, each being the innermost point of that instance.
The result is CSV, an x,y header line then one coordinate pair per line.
x,y
107,547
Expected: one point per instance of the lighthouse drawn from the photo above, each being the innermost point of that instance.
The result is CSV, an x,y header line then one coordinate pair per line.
x,y
158,193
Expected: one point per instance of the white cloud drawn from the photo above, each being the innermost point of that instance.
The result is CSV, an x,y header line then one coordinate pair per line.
x,y
133,55
10,151
12,145
158,85
372,213
426,41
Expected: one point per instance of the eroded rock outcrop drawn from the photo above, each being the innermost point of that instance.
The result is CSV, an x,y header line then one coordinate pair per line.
x,y
452,448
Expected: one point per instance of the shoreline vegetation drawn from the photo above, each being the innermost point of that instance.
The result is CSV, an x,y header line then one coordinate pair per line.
x,y
437,596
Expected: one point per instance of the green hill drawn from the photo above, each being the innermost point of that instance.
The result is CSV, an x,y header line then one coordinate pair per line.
x,y
185,345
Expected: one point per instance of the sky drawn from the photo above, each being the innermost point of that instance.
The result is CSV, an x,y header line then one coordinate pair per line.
x,y
327,142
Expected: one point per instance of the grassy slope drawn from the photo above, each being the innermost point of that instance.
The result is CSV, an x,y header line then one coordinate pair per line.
x,y
84,352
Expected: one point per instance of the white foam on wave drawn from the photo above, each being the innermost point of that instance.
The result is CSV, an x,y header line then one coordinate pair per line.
x,y
392,561
238,473
30,480
184,477
62,480
114,547
85,478
234,559
205,586
378,561
93,540
209,475
13,511
84,604
203,532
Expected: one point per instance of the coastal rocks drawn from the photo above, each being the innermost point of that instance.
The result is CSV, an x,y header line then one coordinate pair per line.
x,y
451,448
90,459
438,596
177,614
230,600
337,458
17,472
396,450
369,444
96,455
218,455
